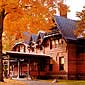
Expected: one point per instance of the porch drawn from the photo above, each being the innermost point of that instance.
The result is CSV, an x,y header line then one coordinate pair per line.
x,y
27,64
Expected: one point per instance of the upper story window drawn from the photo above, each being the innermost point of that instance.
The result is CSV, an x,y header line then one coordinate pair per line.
x,y
61,41
17,49
22,48
56,41
53,42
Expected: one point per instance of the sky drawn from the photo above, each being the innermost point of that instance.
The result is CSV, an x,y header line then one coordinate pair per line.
x,y
75,5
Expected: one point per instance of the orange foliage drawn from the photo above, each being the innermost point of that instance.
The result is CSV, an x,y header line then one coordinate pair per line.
x,y
80,25
27,15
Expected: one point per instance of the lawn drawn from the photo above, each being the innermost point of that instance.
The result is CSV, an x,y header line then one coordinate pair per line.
x,y
71,82
68,82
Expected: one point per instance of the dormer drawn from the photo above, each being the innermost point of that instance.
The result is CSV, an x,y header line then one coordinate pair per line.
x,y
31,45
20,47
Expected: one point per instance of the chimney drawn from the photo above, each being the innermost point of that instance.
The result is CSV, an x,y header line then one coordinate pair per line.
x,y
63,9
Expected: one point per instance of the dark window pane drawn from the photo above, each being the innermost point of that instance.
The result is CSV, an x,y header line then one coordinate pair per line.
x,y
50,67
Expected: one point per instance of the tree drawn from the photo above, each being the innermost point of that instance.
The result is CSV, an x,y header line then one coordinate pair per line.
x,y
1,30
80,25
28,16
24,15
63,9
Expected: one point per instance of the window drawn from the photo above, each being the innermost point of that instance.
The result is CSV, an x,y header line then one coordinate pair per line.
x,y
18,49
22,48
53,42
61,42
51,65
61,63
42,66
56,43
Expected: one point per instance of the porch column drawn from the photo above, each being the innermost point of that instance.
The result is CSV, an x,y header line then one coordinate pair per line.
x,y
21,69
38,68
8,67
28,70
12,70
18,69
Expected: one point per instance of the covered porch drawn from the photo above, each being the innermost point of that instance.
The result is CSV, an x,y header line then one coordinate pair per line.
x,y
27,65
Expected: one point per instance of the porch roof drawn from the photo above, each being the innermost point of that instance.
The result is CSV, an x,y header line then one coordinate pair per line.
x,y
14,54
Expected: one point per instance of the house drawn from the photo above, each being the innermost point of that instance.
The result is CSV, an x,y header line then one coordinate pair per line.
x,y
56,54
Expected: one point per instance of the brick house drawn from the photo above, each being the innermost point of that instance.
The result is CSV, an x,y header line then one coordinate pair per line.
x,y
57,54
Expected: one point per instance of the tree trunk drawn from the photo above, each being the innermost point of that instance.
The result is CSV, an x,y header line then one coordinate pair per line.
x,y
1,30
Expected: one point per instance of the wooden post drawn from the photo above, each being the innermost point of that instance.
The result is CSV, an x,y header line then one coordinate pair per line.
x,y
12,70
38,68
18,69
28,70
2,14
8,67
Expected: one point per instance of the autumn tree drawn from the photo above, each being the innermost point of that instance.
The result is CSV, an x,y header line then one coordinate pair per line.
x,y
63,9
1,27
24,15
27,15
80,25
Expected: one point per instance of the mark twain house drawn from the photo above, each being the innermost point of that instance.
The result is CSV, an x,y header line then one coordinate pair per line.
x,y
56,54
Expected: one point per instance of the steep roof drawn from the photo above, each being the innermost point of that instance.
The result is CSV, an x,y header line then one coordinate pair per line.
x,y
66,26
34,37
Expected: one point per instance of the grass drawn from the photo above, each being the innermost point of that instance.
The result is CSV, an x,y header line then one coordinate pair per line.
x,y
71,82
68,82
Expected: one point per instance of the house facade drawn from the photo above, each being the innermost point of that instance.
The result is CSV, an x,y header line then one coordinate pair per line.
x,y
57,54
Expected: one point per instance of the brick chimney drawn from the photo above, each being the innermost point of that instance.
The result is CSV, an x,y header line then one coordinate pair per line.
x,y
63,9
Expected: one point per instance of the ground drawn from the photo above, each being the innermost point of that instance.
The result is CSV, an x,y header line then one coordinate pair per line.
x,y
12,82
42,82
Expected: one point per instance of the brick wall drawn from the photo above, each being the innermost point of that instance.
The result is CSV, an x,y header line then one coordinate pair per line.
x,y
72,61
55,53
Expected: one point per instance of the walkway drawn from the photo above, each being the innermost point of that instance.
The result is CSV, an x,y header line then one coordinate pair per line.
x,y
27,82
38,82
41,83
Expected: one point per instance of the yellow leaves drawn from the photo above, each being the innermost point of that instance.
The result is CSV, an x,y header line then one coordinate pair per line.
x,y
25,1
11,1
15,22
4,3
27,15
40,17
9,5
36,14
